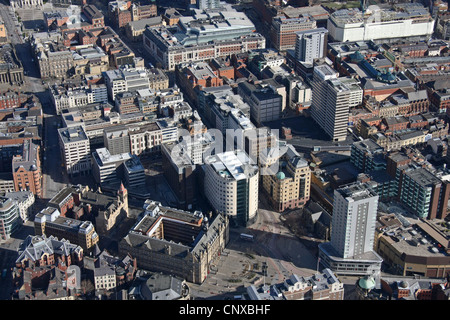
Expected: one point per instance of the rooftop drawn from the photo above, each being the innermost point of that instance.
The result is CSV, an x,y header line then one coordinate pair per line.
x,y
232,164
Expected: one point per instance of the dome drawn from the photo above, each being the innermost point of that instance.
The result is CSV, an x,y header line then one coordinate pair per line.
x,y
281,175
367,283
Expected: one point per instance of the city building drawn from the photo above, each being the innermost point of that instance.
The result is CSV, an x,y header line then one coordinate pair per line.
x,y
202,36
231,185
180,173
208,4
351,249
424,193
116,139
26,169
27,4
403,20
40,250
25,201
47,269
9,218
94,16
332,98
283,30
414,247
107,209
3,32
75,150
126,80
66,97
135,29
50,222
134,175
146,138
54,59
311,44
159,287
11,69
289,187
266,104
107,167
321,286
176,242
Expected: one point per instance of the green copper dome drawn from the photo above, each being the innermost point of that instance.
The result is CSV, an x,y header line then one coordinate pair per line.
x,y
367,283
281,175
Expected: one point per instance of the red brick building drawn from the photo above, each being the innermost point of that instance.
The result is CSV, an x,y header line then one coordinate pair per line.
x,y
26,169
11,99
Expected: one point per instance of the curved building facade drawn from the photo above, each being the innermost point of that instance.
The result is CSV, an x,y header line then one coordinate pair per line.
x,y
231,185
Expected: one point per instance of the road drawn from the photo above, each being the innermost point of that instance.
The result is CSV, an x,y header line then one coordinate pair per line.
x,y
10,19
53,175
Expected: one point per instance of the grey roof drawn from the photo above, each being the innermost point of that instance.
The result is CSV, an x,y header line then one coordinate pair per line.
x,y
161,287
417,95
33,247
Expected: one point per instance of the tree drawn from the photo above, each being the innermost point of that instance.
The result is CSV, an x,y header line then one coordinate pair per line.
x,y
87,286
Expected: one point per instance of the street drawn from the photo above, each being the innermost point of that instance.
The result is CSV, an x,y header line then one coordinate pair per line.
x,y
52,174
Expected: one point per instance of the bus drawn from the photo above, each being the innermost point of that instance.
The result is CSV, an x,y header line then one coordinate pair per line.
x,y
247,237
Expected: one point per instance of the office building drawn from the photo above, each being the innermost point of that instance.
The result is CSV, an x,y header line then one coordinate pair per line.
x,y
283,30
25,201
351,249
401,21
231,185
205,35
134,174
311,44
116,139
9,218
266,104
289,187
176,242
424,193
126,80
180,173
332,98
106,167
49,222
75,150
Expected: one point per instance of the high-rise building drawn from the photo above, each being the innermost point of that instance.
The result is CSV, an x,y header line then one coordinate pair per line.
x,y
311,44
354,218
332,98
283,30
75,150
231,185
351,249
